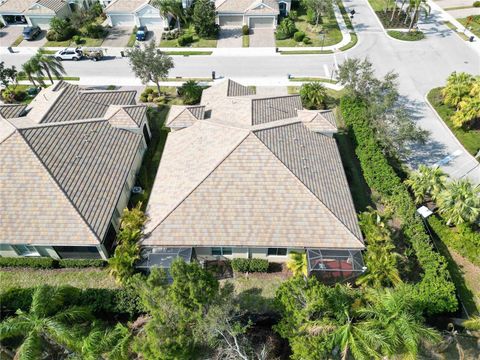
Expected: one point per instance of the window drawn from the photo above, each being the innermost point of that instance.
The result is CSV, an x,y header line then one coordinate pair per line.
x,y
26,250
220,251
77,252
276,252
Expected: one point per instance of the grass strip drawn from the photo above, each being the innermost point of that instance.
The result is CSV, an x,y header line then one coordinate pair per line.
x,y
352,43
187,53
308,79
246,40
306,52
406,35
66,78
17,41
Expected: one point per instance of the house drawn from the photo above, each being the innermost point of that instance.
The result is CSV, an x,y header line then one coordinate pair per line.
x,y
37,12
248,176
68,163
134,13
254,13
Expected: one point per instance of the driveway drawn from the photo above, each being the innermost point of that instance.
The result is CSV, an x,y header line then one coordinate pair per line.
x,y
9,34
262,38
39,41
117,37
154,34
229,37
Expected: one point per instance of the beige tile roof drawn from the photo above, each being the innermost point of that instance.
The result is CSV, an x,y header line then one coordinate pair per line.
x,y
181,116
125,5
9,111
252,199
229,180
33,208
6,129
126,117
18,6
247,6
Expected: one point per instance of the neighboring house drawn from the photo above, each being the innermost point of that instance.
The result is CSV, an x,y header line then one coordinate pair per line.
x,y
35,12
68,163
254,13
134,13
252,177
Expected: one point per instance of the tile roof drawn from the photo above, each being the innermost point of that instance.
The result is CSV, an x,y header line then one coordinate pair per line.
x,y
253,174
247,6
236,89
125,5
89,161
181,116
54,5
11,110
15,6
76,104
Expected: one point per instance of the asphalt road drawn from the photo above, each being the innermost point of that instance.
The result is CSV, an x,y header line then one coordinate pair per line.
x,y
421,66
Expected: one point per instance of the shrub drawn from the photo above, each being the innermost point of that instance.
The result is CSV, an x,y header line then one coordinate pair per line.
x,y
307,40
311,16
245,30
435,293
81,263
36,263
299,36
250,265
185,40
10,96
77,39
95,31
293,15
280,35
190,92
287,27
476,4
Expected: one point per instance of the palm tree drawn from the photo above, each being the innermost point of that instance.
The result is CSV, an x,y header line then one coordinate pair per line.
x,y
121,265
460,202
416,7
393,313
313,95
458,85
49,64
298,264
191,92
45,324
468,109
427,181
173,8
30,68
381,261
472,323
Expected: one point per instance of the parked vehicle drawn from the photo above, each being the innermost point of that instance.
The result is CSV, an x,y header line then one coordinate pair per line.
x,y
69,54
141,33
93,54
31,32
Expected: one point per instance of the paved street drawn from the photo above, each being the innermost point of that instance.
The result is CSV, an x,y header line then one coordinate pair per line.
x,y
420,65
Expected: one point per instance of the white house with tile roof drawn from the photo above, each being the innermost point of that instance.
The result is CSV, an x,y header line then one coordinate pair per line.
x,y
254,177
134,13
68,163
254,13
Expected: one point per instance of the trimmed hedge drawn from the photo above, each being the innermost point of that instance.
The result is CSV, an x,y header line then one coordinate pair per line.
x,y
462,239
49,263
250,265
104,303
435,293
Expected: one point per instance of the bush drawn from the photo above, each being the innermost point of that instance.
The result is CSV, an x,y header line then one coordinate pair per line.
x,y
287,27
95,31
280,35
190,92
406,35
435,293
245,30
476,4
293,15
36,263
50,263
299,36
307,40
250,265
11,96
77,39
311,16
185,40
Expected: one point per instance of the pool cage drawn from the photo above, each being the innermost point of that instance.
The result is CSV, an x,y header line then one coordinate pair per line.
x,y
162,257
335,265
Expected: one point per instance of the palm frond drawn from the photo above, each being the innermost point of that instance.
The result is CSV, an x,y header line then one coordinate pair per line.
x,y
31,348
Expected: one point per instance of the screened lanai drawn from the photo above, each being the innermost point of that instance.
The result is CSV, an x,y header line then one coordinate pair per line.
x,y
335,265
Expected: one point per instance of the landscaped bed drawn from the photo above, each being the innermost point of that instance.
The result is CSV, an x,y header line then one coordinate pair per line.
x,y
406,35
473,26
197,42
401,20
470,138
332,34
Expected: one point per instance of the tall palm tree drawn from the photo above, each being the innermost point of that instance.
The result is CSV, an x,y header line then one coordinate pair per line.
x,y
417,6
45,324
381,261
31,68
121,264
460,202
458,85
393,313
173,8
427,181
49,64
298,264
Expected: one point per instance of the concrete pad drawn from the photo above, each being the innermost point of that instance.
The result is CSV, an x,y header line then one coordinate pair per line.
x,y
39,41
117,37
9,34
229,38
267,91
262,38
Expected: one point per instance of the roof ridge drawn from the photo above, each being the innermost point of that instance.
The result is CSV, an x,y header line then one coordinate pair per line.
x,y
275,97
201,182
64,123
328,208
76,210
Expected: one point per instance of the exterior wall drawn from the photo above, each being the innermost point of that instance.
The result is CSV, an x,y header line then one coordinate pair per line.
x,y
205,253
271,18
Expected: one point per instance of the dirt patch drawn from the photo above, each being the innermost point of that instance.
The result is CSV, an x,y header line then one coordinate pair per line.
x,y
471,274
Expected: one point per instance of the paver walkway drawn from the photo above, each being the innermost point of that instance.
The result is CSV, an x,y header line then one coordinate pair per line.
x,y
262,38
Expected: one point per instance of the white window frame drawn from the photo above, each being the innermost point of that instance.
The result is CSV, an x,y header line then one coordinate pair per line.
x,y
222,251
276,254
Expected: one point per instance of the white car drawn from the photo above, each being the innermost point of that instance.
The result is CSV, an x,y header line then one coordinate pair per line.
x,y
69,54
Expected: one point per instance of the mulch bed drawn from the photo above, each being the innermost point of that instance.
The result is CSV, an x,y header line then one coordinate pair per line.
x,y
398,22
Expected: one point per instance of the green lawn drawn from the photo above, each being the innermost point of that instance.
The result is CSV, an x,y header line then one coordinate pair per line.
x,y
306,52
303,79
332,32
377,5
470,139
257,291
187,53
151,159
198,42
17,41
473,26
246,40
406,35
352,43
65,43
82,278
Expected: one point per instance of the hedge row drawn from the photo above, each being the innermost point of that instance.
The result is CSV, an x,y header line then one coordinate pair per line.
x,y
49,263
104,303
462,238
250,265
435,292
